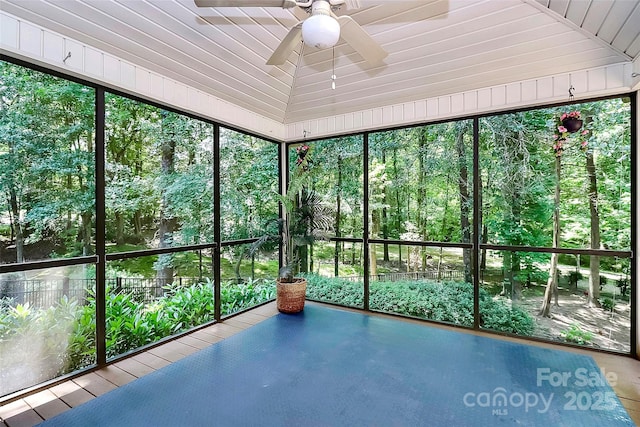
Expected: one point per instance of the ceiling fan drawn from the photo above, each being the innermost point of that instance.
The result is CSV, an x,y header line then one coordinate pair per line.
x,y
322,29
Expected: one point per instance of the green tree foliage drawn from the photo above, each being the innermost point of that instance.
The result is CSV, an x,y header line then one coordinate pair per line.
x,y
46,154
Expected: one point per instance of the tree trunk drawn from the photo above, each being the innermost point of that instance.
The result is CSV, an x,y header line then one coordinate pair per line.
x,y
485,230
119,228
375,229
238,264
16,224
463,184
86,232
594,261
552,282
167,223
385,216
516,284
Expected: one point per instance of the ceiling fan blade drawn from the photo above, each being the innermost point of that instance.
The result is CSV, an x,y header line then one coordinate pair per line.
x,y
438,9
361,41
286,46
285,4
357,4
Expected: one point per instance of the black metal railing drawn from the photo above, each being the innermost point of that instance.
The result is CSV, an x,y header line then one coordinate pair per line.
x,y
42,293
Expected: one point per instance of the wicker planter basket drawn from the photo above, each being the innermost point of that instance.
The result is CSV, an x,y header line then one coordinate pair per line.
x,y
290,296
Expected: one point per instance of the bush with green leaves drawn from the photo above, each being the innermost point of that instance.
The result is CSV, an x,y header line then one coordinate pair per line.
x,y
39,344
235,297
35,343
575,334
608,304
450,302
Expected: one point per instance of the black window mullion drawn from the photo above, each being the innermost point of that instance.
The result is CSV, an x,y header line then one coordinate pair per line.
x,y
217,311
100,150
476,223
365,220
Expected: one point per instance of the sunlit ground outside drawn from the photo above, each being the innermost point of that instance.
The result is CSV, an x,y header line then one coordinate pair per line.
x,y
573,317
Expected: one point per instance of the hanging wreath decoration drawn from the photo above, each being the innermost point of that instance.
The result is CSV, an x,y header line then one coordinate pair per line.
x,y
566,125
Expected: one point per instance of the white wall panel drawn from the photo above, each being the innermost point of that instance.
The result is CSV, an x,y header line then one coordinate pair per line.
x,y
580,82
30,41
444,105
602,81
470,101
94,62
128,75
357,120
8,32
53,46
398,113
349,123
181,95
513,93
408,111
457,103
367,118
484,99
157,86
615,76
24,40
331,125
143,82
529,91
498,96
545,88
377,116
111,71
561,85
421,110
432,108
387,115
597,79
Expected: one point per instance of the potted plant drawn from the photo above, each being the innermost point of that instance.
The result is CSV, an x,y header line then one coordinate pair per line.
x,y
571,121
567,124
305,220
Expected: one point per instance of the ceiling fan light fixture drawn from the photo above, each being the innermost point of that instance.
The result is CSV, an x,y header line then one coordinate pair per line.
x,y
321,31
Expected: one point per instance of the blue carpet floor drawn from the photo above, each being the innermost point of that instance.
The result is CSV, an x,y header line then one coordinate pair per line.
x,y
328,367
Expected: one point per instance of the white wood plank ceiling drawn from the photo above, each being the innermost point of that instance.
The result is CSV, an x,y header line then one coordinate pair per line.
x,y
436,47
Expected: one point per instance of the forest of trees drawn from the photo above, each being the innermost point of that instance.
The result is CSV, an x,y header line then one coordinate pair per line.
x,y
406,197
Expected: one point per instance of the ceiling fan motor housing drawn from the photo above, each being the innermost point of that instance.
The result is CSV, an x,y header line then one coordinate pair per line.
x,y
321,30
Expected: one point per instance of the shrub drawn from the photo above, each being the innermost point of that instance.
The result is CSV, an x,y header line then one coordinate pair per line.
x,y
335,290
450,302
608,304
39,344
235,297
576,335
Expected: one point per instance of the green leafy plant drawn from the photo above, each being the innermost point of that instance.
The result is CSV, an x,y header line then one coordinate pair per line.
x,y
608,304
236,297
450,302
306,218
576,335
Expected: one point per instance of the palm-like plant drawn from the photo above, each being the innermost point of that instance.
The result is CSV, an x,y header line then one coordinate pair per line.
x,y
306,218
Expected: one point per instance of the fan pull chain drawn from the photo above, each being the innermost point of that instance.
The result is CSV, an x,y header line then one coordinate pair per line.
x,y
333,65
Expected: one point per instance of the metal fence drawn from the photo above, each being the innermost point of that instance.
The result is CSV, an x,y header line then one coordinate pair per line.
x,y
43,293
414,275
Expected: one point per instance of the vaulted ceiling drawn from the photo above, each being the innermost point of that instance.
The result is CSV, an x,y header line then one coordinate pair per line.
x,y
435,47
